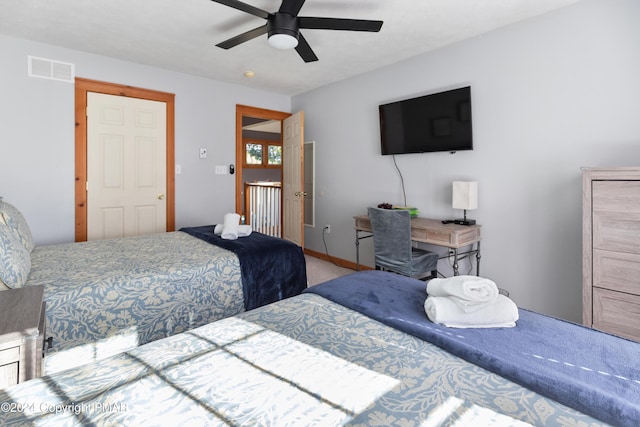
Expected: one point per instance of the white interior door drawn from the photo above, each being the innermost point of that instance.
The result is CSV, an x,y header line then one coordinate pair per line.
x,y
126,162
293,178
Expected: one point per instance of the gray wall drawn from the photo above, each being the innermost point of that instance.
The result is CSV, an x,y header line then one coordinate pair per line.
x,y
37,140
549,95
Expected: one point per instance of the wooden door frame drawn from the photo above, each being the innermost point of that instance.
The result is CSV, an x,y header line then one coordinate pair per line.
x,y
82,86
261,113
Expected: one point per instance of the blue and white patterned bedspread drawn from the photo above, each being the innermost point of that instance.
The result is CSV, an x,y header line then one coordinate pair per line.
x,y
108,296
303,361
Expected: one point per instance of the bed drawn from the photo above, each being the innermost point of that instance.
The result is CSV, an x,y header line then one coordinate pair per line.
x,y
309,360
105,297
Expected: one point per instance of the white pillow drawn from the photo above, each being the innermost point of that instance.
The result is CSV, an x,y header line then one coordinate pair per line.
x,y
15,261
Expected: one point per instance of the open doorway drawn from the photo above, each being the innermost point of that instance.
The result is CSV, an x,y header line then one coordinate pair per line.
x,y
270,165
259,160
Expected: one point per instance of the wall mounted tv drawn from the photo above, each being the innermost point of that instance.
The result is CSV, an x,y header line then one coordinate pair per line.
x,y
436,122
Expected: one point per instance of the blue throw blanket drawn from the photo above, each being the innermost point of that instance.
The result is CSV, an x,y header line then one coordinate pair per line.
x,y
595,373
271,268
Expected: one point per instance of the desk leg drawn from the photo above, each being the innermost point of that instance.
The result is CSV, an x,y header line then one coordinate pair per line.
x,y
455,262
357,250
478,256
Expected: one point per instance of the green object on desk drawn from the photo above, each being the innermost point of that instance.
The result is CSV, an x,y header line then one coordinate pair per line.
x,y
412,211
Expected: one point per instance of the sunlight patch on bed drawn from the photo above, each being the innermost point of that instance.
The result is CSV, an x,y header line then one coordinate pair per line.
x,y
236,380
457,413
338,381
126,339
226,331
299,383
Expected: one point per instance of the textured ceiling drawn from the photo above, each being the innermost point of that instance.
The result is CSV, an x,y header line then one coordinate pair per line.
x,y
181,35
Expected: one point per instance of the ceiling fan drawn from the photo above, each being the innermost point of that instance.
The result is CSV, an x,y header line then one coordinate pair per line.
x,y
283,27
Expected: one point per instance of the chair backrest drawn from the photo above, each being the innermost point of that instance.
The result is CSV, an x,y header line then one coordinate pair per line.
x,y
391,233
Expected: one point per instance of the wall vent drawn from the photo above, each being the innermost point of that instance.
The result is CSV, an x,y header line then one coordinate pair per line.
x,y
50,69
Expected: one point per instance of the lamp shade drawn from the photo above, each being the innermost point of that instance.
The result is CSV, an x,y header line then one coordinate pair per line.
x,y
465,195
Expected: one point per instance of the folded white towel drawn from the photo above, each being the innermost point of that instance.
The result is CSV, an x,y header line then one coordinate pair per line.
x,y
230,226
243,230
471,293
502,313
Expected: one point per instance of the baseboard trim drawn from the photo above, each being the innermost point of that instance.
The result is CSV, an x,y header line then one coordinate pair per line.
x,y
339,261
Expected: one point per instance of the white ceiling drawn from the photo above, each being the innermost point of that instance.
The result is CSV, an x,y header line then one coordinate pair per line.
x,y
181,35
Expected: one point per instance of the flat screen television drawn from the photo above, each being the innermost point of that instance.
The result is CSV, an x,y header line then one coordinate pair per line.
x,y
436,122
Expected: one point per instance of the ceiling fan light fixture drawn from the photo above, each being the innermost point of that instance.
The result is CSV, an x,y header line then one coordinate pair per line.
x,y
283,41
283,27
282,30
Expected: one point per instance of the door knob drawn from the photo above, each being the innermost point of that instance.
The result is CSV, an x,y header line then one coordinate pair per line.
x,y
160,196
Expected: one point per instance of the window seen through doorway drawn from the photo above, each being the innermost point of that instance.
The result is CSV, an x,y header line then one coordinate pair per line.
x,y
262,154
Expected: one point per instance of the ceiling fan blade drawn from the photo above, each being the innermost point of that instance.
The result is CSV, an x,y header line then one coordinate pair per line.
x,y
304,50
244,37
339,24
292,7
244,8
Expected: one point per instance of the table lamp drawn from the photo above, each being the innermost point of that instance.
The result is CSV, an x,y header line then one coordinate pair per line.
x,y
465,196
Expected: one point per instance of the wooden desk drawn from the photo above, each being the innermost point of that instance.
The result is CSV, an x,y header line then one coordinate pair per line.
x,y
434,232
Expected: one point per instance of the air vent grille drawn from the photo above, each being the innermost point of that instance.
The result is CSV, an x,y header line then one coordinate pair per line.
x,y
50,69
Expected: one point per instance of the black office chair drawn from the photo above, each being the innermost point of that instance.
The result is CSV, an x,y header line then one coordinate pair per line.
x,y
392,245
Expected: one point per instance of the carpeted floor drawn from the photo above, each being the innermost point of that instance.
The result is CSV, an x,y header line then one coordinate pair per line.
x,y
319,270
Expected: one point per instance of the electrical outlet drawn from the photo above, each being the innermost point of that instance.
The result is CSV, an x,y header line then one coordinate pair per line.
x,y
203,153
328,228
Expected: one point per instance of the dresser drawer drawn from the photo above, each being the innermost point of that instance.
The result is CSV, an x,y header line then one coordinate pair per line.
x,y
616,215
617,271
9,365
616,196
617,313
9,355
8,375
616,231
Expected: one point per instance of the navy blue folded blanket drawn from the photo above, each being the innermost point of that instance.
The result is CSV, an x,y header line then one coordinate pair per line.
x,y
595,373
271,268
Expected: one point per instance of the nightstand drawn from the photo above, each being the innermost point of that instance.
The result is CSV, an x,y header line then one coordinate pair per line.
x,y
22,331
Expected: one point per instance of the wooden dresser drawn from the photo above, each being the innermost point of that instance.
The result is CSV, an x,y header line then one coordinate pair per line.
x,y
611,250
